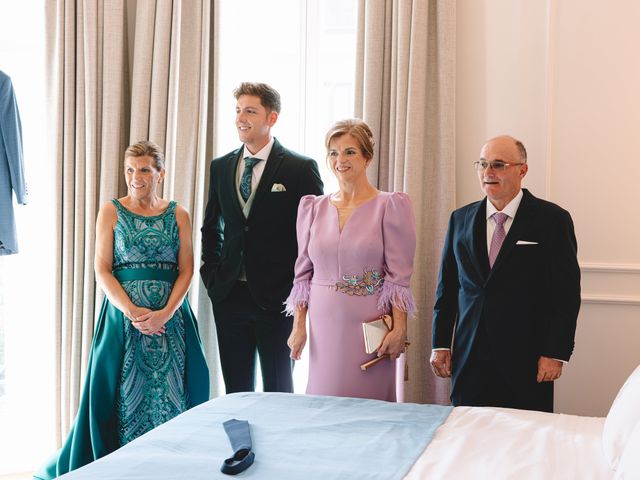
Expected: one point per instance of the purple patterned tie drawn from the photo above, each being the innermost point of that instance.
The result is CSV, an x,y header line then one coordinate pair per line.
x,y
498,236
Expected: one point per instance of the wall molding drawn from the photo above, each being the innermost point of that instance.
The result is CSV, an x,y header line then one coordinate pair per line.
x,y
606,269
611,300
588,267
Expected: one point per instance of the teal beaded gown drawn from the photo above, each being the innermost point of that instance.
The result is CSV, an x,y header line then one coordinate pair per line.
x,y
136,382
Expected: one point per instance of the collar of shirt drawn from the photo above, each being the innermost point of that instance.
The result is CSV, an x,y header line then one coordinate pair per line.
x,y
263,154
510,209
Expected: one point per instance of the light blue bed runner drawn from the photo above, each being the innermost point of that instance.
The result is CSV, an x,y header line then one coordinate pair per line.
x,y
294,437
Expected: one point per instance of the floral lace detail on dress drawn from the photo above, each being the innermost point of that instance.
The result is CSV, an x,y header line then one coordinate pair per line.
x,y
369,283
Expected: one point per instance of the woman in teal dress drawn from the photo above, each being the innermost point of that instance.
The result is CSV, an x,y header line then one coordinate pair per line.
x,y
146,364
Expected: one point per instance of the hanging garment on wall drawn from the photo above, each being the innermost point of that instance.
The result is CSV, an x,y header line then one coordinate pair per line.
x,y
11,166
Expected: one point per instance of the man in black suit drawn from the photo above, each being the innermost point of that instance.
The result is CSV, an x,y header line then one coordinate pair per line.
x,y
508,292
249,243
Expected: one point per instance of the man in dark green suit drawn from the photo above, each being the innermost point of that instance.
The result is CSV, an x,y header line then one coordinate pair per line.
x,y
249,243
508,293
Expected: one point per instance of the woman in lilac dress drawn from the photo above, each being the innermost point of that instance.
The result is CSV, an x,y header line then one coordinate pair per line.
x,y
355,259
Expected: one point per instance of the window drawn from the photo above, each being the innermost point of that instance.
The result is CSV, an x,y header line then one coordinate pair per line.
x,y
27,279
306,51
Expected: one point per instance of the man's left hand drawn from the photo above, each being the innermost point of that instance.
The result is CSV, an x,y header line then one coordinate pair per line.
x,y
549,369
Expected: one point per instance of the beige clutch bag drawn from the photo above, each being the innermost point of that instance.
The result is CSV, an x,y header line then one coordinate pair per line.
x,y
374,332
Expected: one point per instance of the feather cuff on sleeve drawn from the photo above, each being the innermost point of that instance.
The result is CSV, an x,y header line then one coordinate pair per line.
x,y
397,296
299,297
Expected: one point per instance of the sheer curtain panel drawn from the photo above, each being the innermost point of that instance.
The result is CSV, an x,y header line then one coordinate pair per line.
x,y
118,71
405,90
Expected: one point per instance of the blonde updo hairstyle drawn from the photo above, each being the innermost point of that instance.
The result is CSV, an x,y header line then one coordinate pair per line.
x,y
358,129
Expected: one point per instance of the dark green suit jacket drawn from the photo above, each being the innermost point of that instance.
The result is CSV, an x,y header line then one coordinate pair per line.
x,y
265,242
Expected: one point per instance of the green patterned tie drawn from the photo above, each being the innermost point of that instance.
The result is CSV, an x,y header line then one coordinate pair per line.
x,y
245,180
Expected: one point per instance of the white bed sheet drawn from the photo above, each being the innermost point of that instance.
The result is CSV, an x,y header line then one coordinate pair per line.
x,y
502,443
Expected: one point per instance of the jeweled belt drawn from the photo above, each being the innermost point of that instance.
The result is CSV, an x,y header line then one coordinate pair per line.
x,y
369,283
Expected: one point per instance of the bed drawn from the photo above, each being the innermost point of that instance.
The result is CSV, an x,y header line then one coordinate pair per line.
x,y
315,437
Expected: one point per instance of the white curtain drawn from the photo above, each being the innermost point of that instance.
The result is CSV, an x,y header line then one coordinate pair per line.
x,y
405,90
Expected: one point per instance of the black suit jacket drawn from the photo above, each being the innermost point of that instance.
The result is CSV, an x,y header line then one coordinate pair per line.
x,y
528,302
265,241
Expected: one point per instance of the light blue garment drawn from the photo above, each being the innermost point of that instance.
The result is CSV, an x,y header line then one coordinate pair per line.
x,y
11,166
293,437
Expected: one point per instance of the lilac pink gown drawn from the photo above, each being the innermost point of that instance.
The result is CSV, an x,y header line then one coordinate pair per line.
x,y
348,277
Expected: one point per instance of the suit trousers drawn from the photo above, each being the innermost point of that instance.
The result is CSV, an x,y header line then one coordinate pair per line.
x,y
245,329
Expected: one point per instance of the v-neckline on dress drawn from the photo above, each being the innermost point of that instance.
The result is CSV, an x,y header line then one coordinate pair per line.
x,y
355,209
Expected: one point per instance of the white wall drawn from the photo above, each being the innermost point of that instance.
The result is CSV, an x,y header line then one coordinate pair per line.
x,y
564,76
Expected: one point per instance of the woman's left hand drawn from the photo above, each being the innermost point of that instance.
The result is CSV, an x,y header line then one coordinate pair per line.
x,y
152,323
393,343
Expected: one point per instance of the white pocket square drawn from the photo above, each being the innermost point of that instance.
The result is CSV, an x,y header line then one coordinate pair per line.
x,y
526,242
278,187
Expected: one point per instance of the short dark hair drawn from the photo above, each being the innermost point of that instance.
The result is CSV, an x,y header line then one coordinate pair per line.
x,y
358,129
269,96
145,148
